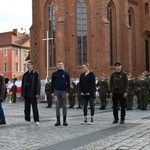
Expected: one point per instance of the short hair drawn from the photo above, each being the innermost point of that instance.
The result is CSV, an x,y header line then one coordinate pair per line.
x,y
60,61
87,64
118,63
31,62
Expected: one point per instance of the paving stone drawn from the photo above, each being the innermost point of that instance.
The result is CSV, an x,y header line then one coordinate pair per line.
x,y
102,135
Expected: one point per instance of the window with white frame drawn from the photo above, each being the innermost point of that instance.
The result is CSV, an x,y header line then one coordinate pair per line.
x,y
5,52
5,66
16,52
16,67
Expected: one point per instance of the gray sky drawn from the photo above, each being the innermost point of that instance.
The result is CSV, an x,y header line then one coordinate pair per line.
x,y
15,14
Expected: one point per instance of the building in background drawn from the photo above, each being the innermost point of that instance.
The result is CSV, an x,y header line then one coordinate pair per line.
x,y
100,32
14,48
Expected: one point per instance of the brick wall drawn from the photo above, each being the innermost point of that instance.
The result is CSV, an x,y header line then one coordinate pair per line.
x,y
98,35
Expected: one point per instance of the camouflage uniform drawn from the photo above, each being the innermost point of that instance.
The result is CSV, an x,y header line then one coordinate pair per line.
x,y
48,94
143,94
148,80
72,94
130,92
137,91
103,91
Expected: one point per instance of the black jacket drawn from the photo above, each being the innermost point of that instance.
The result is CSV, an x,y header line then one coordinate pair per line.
x,y
31,84
87,84
2,87
118,82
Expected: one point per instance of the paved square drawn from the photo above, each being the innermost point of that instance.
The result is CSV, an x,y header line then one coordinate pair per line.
x,y
102,135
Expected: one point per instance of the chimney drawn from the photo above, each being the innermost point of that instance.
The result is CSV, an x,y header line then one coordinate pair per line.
x,y
24,33
15,31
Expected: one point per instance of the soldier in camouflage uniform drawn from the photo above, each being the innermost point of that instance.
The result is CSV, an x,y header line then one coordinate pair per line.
x,y
137,92
72,94
131,87
148,79
143,88
48,93
102,86
80,101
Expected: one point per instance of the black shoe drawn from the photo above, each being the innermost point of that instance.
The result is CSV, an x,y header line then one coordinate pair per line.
x,y
64,121
2,122
101,108
122,121
138,107
48,107
70,107
79,107
58,121
115,121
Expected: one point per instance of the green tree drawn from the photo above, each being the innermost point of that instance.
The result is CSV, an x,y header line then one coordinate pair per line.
x,y
28,57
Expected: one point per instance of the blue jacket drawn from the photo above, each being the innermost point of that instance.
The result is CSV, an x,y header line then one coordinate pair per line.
x,y
60,81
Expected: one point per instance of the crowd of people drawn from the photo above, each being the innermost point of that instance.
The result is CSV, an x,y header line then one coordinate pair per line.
x,y
121,87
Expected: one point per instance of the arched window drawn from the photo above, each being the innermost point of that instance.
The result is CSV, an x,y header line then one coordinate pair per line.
x,y
146,8
147,54
112,26
52,28
82,32
131,17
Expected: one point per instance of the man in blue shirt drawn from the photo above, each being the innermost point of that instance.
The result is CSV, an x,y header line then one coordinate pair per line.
x,y
60,88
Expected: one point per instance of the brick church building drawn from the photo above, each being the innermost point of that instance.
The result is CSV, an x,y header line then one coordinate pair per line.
x,y
99,32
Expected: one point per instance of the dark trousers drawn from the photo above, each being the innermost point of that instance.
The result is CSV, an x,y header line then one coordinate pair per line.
x,y
49,99
87,99
14,100
118,97
28,102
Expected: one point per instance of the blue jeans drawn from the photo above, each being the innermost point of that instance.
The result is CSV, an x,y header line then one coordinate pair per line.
x,y
2,116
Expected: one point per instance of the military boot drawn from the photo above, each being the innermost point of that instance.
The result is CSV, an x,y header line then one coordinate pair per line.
x,y
58,121
64,121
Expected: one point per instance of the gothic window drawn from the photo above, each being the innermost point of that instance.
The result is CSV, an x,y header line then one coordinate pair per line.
x,y
52,28
82,32
146,8
111,19
129,17
147,54
132,25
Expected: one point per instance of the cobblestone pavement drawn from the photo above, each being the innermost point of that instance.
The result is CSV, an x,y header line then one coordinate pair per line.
x,y
102,135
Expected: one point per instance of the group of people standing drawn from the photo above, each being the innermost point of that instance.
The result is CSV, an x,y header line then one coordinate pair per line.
x,y
61,86
121,89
